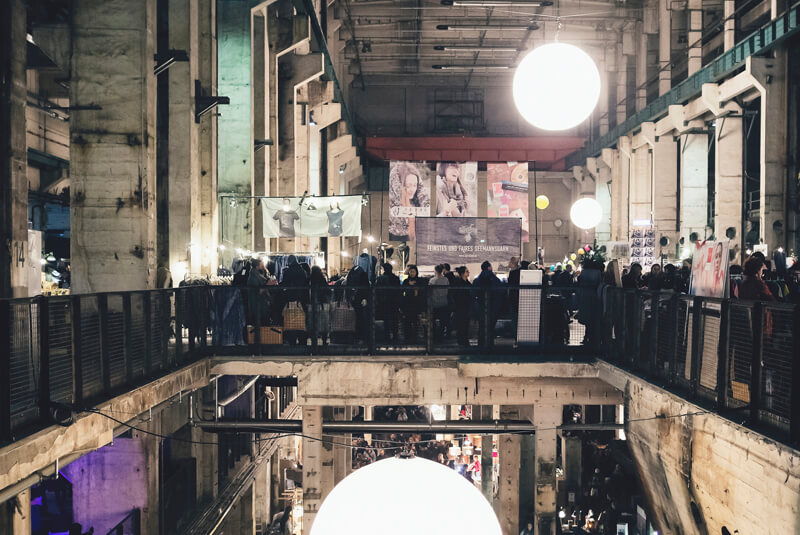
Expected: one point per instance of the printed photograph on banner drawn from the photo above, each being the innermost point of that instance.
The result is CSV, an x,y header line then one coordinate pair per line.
x,y
409,198
710,270
311,217
457,189
467,241
507,185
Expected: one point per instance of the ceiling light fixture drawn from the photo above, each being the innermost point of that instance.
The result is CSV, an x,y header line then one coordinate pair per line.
x,y
497,3
471,67
467,48
485,27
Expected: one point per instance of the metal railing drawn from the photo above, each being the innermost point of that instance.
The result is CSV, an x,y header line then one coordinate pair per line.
x,y
64,353
130,525
737,356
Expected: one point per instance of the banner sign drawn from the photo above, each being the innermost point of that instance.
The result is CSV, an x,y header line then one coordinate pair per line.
x,y
457,189
467,240
409,197
508,192
710,270
314,217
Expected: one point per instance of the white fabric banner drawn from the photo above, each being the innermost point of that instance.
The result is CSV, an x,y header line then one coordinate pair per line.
x,y
316,217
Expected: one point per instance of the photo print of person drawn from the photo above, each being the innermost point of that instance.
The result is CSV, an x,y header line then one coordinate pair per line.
x,y
409,197
457,189
507,185
710,270
312,217
335,215
286,217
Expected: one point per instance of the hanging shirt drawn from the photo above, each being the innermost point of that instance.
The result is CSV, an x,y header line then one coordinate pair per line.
x,y
286,221
335,222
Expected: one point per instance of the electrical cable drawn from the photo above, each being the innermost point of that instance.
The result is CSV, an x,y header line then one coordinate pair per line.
x,y
280,434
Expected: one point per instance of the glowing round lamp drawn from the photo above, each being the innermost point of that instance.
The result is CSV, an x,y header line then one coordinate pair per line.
x,y
556,86
586,213
542,202
400,496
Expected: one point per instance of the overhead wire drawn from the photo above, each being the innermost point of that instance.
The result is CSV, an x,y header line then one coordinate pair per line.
x,y
277,434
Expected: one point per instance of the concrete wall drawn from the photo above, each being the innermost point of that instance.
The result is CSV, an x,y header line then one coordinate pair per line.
x,y
118,470
736,478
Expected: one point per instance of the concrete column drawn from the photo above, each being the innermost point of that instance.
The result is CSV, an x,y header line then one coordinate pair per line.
x,y
507,505
234,134
664,47
183,206
112,167
622,85
262,496
728,181
327,478
207,73
313,458
729,27
487,459
620,162
261,100
369,415
694,184
546,418
21,521
602,102
342,459
13,151
695,36
640,202
664,192
771,76
654,184
601,173
641,67
571,448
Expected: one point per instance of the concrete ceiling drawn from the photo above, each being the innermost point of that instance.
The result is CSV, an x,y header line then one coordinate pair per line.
x,y
385,38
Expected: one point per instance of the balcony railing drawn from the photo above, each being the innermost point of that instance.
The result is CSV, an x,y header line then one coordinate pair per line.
x,y
60,354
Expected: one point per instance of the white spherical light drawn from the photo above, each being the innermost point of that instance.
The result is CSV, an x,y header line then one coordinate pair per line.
x,y
402,497
556,86
586,213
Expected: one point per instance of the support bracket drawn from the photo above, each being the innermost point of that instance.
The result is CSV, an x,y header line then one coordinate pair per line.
x,y
204,104
168,60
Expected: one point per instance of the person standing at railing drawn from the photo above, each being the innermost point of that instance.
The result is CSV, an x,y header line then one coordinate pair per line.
x,y
438,296
633,279
413,302
754,286
295,281
258,301
490,299
321,301
462,303
386,306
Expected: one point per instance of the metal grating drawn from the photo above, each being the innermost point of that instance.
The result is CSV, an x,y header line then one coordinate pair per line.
x,y
24,363
710,357
156,332
740,354
90,351
116,341
776,386
683,361
60,349
665,336
136,336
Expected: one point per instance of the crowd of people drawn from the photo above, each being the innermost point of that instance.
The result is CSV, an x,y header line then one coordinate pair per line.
x,y
426,446
452,301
